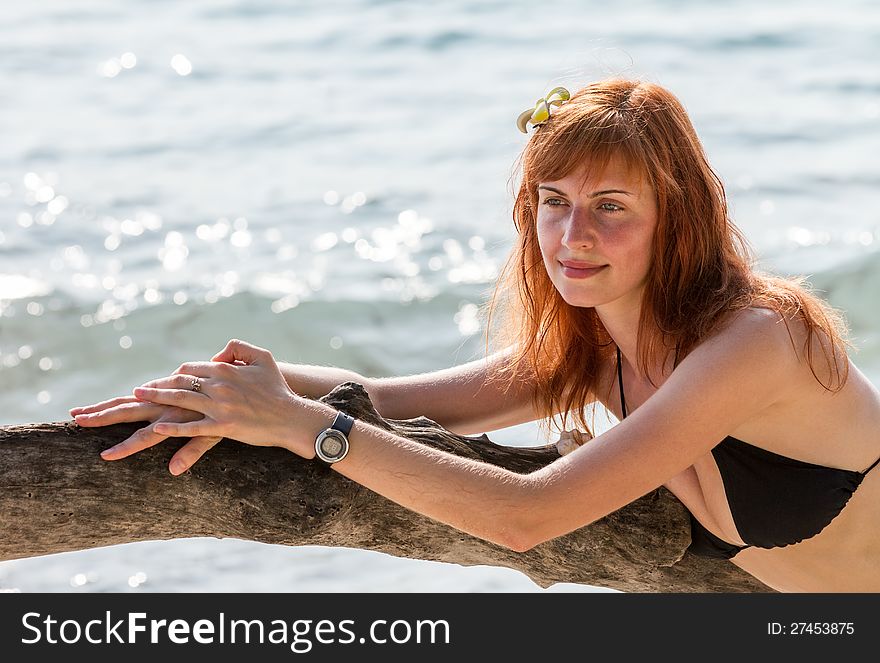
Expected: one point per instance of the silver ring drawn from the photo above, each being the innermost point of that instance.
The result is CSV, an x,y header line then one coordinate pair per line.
x,y
196,384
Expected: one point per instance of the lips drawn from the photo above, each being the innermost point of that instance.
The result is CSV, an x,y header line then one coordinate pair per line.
x,y
580,264
577,269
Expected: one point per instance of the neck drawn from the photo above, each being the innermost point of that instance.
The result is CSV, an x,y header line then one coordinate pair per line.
x,y
621,320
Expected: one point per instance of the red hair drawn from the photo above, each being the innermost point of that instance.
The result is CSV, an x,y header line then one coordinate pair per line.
x,y
701,267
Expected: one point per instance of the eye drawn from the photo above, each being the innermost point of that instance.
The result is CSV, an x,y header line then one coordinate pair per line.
x,y
611,207
553,202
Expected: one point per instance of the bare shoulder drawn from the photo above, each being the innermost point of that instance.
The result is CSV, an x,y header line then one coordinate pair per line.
x,y
788,343
756,334
757,322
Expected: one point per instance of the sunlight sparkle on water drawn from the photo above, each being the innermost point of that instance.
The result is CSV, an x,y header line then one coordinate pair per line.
x,y
17,286
807,237
32,181
131,227
352,202
137,579
181,64
152,296
75,257
110,68
173,255
324,242
466,319
45,218
57,205
44,194
240,239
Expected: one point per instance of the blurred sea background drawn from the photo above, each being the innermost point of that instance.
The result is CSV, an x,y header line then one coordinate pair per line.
x,y
332,181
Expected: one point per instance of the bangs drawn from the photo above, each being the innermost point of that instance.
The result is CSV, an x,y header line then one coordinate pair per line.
x,y
589,142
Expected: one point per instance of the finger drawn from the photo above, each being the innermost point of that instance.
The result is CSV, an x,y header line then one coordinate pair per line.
x,y
180,381
142,439
126,412
203,369
183,398
237,350
202,427
190,452
103,405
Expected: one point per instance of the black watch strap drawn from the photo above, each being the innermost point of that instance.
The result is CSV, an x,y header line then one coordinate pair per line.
x,y
343,423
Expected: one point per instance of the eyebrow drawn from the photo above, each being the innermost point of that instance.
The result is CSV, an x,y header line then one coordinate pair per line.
x,y
592,195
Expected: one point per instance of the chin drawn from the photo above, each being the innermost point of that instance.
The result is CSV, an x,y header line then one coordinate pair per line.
x,y
582,302
579,298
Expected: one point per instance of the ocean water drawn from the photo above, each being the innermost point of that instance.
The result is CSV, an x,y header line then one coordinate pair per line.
x,y
332,181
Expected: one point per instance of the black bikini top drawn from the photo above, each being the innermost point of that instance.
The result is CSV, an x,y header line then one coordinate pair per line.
x,y
774,500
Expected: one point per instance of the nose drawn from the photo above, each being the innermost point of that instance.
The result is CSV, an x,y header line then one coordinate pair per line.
x,y
580,231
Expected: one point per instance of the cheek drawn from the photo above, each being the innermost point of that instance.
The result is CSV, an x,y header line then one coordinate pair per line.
x,y
631,240
638,254
548,238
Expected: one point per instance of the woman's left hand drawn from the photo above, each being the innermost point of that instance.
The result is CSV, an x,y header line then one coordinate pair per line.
x,y
248,401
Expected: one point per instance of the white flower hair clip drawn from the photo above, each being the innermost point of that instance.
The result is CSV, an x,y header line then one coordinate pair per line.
x,y
541,112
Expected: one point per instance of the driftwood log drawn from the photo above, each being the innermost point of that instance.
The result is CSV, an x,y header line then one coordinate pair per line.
x,y
57,495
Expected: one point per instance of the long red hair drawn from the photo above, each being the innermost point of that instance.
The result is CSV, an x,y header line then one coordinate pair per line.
x,y
701,268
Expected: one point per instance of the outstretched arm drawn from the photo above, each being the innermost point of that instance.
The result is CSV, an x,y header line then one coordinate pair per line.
x,y
719,385
462,399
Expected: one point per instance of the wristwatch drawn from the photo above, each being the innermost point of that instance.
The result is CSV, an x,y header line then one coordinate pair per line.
x,y
331,445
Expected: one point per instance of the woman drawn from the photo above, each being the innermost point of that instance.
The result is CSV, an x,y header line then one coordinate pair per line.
x,y
628,286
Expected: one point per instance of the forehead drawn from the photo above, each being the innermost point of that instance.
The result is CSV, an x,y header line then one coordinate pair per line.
x,y
594,175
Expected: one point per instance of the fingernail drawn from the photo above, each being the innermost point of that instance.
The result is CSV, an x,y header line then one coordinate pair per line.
x,y
177,466
107,452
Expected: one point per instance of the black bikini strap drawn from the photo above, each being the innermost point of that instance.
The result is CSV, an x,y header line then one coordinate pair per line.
x,y
873,465
620,384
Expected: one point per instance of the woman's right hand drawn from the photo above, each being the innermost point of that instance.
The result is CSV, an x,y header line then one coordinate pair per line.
x,y
127,409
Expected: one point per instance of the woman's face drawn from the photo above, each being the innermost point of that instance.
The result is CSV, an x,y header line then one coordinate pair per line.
x,y
595,235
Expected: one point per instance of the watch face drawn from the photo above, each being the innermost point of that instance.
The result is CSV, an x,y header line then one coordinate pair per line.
x,y
332,445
